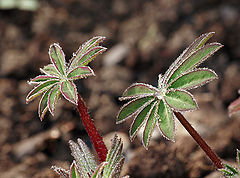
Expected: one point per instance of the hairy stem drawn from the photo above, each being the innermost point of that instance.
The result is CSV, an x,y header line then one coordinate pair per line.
x,y
95,137
217,162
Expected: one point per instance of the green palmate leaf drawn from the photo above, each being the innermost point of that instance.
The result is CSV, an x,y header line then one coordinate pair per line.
x,y
181,100
166,121
43,104
40,89
69,91
74,172
150,125
57,57
193,79
195,59
139,120
138,90
42,78
84,49
50,70
52,98
80,72
129,109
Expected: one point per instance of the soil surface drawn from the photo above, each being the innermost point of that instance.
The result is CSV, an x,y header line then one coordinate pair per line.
x,y
143,38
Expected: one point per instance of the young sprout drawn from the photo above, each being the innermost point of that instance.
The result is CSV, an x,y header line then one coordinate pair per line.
x,y
58,81
84,165
150,106
58,76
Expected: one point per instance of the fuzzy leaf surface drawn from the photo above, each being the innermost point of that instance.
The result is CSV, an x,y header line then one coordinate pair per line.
x,y
195,59
180,100
150,125
52,98
50,70
193,79
138,90
57,57
69,91
83,50
131,107
140,119
80,72
166,121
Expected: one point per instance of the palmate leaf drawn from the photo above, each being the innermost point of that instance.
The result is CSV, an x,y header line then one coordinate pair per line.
x,y
58,78
84,165
149,105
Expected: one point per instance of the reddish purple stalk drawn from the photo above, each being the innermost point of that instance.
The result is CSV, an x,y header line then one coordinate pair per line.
x,y
217,162
95,137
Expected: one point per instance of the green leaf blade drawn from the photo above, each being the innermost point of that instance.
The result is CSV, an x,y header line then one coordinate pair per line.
x,y
198,43
90,55
42,78
50,70
150,125
43,105
129,109
139,120
73,171
195,59
52,98
138,90
181,100
69,91
84,49
39,90
193,79
80,72
57,58
166,121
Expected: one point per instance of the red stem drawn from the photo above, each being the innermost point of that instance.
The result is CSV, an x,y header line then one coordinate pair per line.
x,y
95,137
217,162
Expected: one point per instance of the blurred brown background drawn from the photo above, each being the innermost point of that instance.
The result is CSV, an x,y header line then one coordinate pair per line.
x,y
143,38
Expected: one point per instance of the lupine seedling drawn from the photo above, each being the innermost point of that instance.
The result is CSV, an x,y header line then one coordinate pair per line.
x,y
84,165
150,106
57,80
